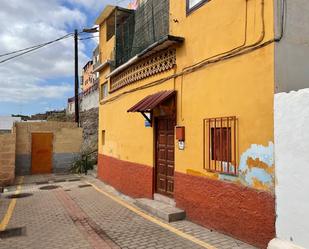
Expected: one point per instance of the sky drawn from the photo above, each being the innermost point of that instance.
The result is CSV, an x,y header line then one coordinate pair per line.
x,y
44,79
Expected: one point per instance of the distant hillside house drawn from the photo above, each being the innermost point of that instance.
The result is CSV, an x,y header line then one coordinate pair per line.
x,y
89,96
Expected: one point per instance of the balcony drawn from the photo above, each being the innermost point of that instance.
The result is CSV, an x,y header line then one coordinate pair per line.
x,y
139,30
143,46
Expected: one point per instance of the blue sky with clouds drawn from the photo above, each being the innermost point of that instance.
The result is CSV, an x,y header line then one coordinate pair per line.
x,y
42,80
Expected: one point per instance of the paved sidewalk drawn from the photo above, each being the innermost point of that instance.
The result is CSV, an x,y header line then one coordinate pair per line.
x,y
80,215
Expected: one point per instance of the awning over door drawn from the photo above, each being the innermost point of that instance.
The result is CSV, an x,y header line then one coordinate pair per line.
x,y
148,103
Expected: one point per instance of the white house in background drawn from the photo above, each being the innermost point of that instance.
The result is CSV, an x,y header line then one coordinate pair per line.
x,y
89,96
6,123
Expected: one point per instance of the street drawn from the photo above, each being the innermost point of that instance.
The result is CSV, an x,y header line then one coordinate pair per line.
x,y
71,212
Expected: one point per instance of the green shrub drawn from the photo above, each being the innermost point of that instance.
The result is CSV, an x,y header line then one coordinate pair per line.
x,y
82,164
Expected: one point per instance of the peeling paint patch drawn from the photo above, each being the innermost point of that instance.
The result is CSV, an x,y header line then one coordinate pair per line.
x,y
259,185
257,163
256,168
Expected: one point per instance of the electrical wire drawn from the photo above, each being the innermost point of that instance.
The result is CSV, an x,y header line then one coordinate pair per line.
x,y
282,19
27,50
86,38
235,50
35,46
215,59
160,81
119,1
226,52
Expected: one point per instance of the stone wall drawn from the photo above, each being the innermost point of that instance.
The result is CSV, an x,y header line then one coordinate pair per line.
x,y
67,143
7,158
89,123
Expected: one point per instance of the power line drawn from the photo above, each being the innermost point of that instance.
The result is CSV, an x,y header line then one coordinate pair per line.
x,y
39,45
27,50
214,59
86,38
119,1
33,48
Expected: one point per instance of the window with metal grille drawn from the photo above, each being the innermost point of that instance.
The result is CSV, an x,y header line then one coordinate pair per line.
x,y
220,145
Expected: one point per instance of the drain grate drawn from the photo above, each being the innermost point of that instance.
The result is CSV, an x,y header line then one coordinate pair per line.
x,y
59,180
21,195
61,174
74,180
49,187
41,183
67,190
12,232
84,186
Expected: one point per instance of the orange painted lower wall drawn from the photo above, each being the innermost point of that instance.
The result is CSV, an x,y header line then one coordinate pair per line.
x,y
241,212
129,178
238,211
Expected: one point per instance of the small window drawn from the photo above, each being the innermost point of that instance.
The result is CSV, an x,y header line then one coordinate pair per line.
x,y
103,137
220,145
104,91
194,4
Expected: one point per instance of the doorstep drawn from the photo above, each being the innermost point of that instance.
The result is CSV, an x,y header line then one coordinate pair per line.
x,y
164,199
161,209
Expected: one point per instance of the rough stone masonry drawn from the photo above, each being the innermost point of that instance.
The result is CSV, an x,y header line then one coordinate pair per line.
x,y
7,158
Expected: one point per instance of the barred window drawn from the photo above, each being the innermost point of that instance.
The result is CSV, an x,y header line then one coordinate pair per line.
x,y
220,145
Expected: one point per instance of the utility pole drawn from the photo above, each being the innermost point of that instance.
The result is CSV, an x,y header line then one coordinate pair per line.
x,y
76,76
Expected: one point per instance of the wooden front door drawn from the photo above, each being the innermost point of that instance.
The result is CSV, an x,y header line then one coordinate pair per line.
x,y
41,153
165,157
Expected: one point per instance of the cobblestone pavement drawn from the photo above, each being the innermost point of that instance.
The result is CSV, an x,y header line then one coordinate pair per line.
x,y
76,215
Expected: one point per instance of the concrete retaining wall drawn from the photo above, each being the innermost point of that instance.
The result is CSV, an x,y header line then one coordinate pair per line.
x,y
90,101
7,158
66,144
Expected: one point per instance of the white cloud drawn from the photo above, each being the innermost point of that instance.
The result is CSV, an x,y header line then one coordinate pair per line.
x,y
99,4
29,22
31,91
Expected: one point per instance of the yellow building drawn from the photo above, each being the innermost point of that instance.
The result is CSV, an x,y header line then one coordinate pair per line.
x,y
186,109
